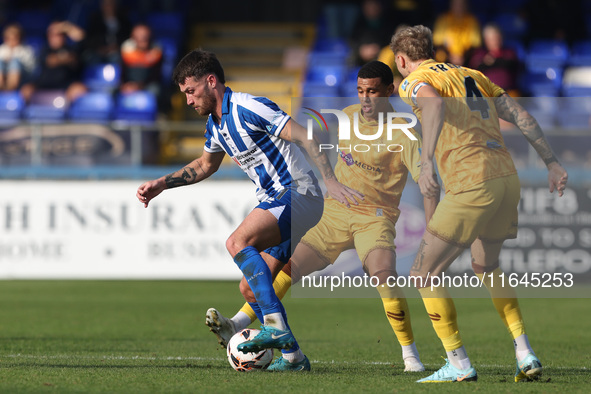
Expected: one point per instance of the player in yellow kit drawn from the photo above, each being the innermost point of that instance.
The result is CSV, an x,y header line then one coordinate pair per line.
x,y
479,209
369,227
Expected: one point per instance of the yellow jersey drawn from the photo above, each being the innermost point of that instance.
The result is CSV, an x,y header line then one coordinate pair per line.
x,y
470,149
456,34
378,173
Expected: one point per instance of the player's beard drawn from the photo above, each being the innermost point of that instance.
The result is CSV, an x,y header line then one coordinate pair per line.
x,y
209,103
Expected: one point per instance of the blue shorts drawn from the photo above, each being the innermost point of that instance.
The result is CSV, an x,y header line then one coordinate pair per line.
x,y
296,214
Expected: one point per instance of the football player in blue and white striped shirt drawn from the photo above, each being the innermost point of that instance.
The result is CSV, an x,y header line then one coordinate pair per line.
x,y
258,136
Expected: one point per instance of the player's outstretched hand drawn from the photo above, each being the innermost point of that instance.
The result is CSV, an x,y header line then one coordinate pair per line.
x,y
557,178
147,191
428,181
342,193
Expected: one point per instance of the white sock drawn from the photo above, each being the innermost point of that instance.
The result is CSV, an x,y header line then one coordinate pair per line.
x,y
410,351
275,320
294,357
522,347
241,321
459,358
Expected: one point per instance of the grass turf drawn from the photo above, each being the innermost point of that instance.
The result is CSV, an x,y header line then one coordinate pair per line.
x,y
141,337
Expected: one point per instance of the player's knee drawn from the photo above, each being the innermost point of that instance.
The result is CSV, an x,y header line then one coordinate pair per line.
x,y
246,291
233,245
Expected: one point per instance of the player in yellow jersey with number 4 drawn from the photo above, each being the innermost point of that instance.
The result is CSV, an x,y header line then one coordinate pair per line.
x,y
460,110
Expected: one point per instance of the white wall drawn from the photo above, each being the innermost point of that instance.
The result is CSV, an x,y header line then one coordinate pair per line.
x,y
85,229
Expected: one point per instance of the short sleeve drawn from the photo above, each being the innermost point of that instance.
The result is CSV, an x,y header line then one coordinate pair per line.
x,y
211,145
409,89
260,113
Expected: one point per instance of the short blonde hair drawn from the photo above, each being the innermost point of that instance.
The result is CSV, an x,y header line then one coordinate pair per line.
x,y
416,42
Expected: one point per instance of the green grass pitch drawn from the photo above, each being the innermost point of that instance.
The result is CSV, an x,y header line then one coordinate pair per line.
x,y
149,336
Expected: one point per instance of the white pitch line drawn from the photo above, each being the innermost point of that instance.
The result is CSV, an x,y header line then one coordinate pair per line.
x,y
189,358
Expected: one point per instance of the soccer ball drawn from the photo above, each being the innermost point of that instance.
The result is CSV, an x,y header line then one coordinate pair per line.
x,y
247,361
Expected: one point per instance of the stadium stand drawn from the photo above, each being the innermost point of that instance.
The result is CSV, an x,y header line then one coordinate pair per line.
x,y
11,108
92,107
104,77
255,58
46,106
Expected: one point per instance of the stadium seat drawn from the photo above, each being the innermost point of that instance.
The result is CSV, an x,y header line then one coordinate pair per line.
x,y
320,89
545,83
332,45
47,106
139,106
517,46
11,108
92,107
348,89
329,75
544,109
166,25
326,59
170,53
102,77
575,111
34,22
544,54
512,25
581,54
577,82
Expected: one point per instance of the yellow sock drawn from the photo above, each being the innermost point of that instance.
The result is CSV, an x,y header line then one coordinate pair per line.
x,y
281,284
505,301
442,312
397,312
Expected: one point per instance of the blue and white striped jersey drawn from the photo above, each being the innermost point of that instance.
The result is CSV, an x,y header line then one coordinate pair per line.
x,y
249,133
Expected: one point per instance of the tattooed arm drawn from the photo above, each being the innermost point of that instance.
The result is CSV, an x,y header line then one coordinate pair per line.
x,y
293,132
509,110
196,171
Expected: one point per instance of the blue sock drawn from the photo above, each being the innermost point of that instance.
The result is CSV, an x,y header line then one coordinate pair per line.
x,y
257,311
295,344
258,276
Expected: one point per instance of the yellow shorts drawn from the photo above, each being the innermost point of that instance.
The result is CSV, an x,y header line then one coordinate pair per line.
x,y
487,211
342,228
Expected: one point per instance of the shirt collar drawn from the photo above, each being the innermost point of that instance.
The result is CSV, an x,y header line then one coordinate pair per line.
x,y
226,102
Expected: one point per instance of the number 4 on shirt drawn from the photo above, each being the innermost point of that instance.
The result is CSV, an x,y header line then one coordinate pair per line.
x,y
474,98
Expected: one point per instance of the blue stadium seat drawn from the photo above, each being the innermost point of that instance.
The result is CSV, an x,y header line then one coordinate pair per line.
x,y
332,45
11,108
352,74
517,46
102,77
581,54
575,111
544,109
316,58
138,106
348,89
319,89
34,22
546,83
170,52
46,106
511,24
577,81
577,91
329,76
168,24
544,54
92,107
